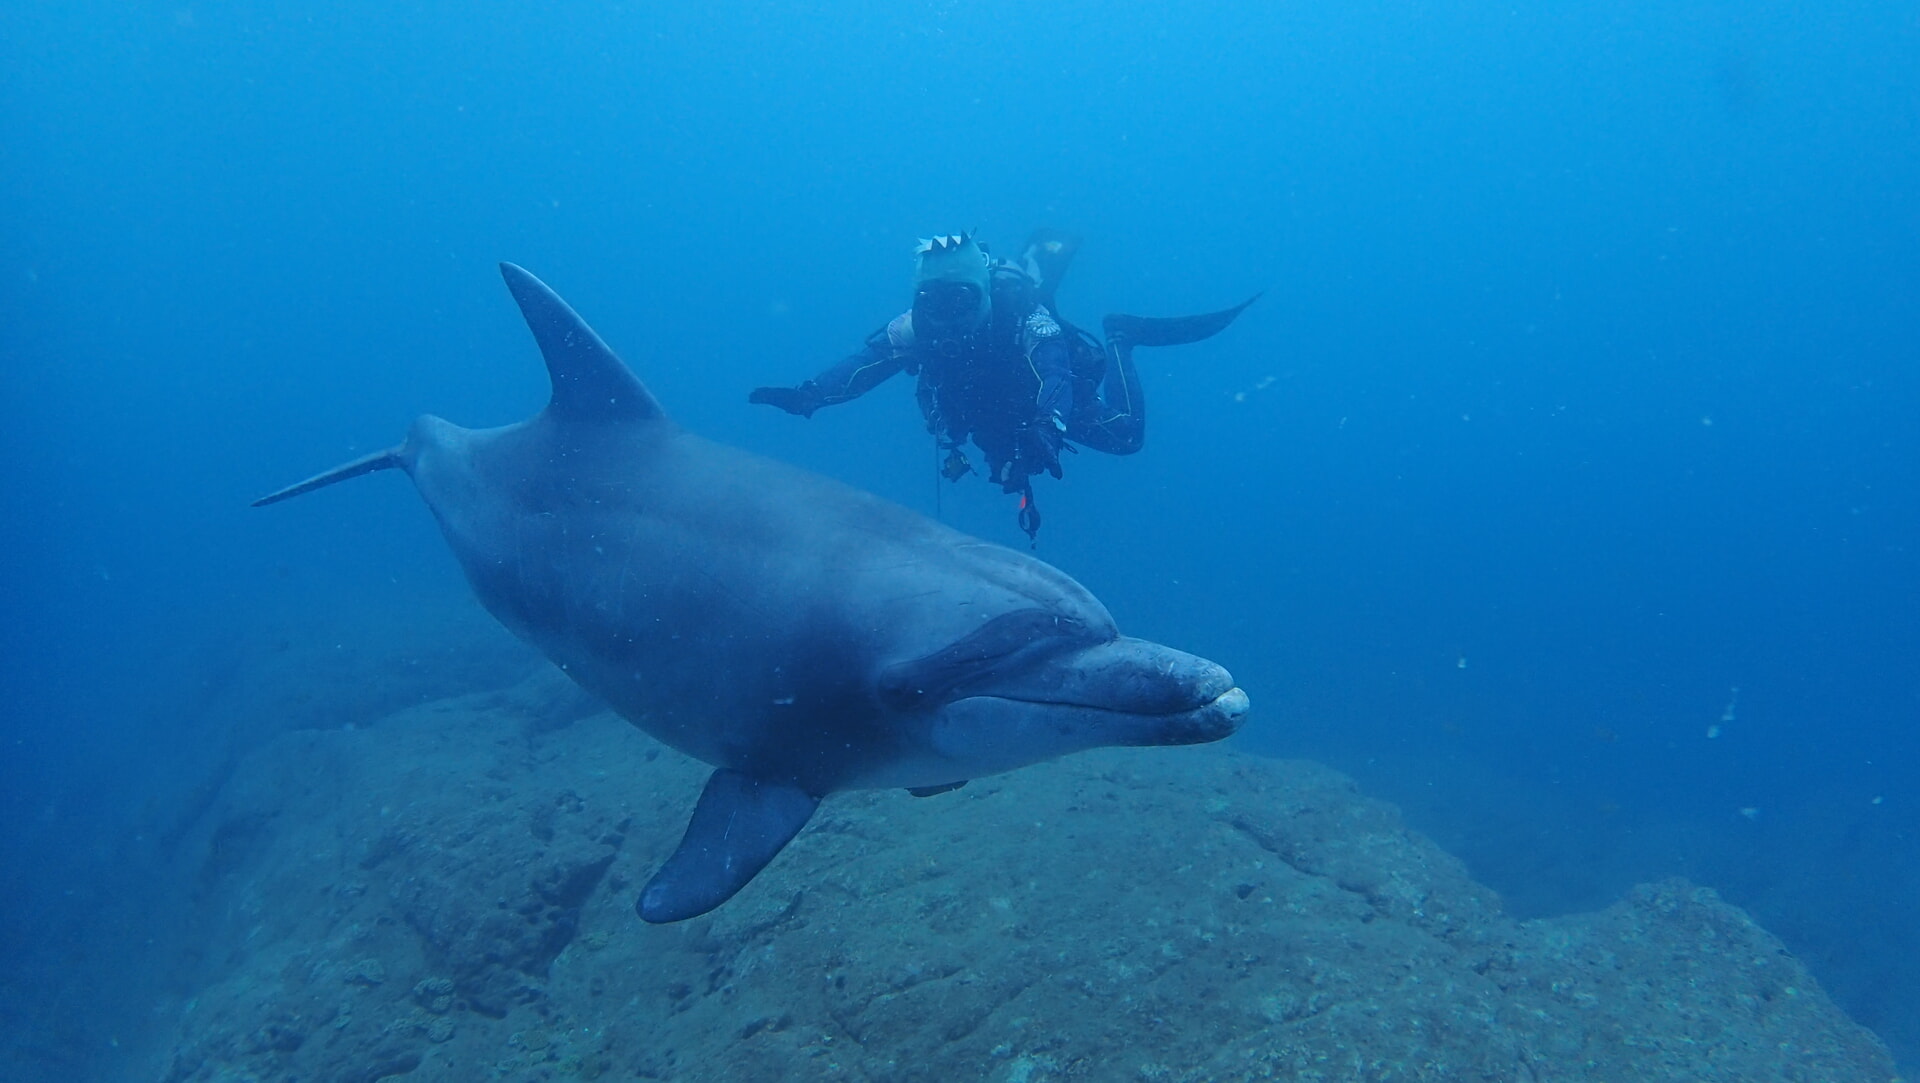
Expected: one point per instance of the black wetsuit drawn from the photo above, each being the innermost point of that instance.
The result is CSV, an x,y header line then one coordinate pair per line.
x,y
1018,388
1025,387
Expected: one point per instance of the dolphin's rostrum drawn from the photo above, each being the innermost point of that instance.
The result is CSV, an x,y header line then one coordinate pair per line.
x,y
799,635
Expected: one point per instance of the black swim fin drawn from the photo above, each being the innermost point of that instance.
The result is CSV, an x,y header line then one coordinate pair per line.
x,y
1171,331
1048,254
738,826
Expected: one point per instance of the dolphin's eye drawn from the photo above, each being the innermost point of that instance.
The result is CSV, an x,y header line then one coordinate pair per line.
x,y
979,653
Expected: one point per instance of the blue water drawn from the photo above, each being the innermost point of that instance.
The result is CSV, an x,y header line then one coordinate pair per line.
x,y
1583,392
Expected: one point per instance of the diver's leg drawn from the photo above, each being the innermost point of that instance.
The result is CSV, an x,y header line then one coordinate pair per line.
x,y
1117,423
1175,330
1045,259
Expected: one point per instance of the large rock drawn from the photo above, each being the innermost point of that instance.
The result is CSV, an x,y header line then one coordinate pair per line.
x,y
448,896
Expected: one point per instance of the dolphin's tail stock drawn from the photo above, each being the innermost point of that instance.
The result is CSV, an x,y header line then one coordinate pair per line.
x,y
590,383
366,464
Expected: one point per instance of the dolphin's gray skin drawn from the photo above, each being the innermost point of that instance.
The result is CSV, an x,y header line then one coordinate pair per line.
x,y
799,635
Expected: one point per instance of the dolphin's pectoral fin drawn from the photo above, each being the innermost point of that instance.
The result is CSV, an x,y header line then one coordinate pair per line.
x,y
930,791
1171,331
740,823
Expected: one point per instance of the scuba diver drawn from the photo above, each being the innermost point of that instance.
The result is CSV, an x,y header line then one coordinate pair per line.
x,y
997,366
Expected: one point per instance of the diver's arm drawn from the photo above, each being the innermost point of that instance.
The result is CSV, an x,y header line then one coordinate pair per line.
x,y
853,376
859,372
1051,359
1052,363
1050,356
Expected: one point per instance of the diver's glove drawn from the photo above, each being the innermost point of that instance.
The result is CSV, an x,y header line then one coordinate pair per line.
x,y
1041,441
802,400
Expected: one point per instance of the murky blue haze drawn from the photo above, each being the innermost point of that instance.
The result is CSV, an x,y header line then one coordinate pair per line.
x,y
1583,392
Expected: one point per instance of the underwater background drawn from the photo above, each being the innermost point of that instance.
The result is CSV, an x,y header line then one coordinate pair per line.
x,y
1563,487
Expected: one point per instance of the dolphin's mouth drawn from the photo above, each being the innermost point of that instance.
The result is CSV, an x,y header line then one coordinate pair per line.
x,y
1217,719
1029,686
1212,720
1232,702
1122,676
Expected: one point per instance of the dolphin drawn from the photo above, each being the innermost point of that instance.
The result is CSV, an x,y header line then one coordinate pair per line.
x,y
800,636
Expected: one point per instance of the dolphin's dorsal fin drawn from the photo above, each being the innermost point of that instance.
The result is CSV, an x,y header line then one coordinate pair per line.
x,y
590,382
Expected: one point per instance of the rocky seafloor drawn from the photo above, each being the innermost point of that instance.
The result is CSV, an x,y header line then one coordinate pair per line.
x,y
448,894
